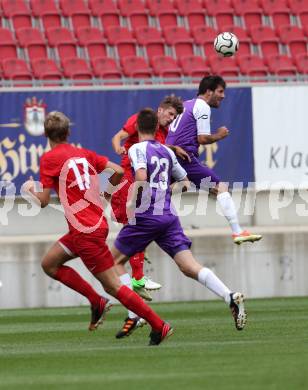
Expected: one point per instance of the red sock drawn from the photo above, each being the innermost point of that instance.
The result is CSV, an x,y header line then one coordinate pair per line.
x,y
133,302
136,262
72,279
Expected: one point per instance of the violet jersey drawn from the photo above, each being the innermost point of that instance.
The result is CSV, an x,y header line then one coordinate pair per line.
x,y
161,165
194,121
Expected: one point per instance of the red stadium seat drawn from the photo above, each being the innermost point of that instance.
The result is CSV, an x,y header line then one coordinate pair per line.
x,y
106,10
278,10
105,68
194,66
266,37
47,11
243,37
151,39
93,40
7,44
293,37
18,11
273,4
45,69
280,65
193,11
221,10
297,6
303,16
63,39
164,11
204,36
250,11
226,67
156,5
252,65
301,62
16,69
136,67
300,8
122,38
76,68
165,66
77,11
33,40
180,39
136,12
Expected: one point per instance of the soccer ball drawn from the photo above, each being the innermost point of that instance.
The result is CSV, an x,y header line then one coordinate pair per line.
x,y
226,44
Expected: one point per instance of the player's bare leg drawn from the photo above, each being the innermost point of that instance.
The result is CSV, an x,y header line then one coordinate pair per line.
x,y
54,259
191,268
53,265
113,286
228,209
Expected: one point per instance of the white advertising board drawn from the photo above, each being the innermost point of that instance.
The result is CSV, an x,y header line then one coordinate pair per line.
x,y
280,128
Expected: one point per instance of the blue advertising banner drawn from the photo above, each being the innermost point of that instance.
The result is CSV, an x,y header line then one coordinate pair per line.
x,y
97,115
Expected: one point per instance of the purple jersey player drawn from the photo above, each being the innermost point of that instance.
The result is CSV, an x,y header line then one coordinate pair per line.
x,y
154,165
191,129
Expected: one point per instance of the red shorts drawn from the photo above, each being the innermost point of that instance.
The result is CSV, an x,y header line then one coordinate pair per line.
x,y
91,248
119,199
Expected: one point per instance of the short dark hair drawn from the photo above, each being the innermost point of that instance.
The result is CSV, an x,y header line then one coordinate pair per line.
x,y
147,121
173,101
56,126
211,83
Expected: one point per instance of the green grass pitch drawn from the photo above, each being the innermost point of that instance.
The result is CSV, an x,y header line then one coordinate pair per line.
x,y
52,349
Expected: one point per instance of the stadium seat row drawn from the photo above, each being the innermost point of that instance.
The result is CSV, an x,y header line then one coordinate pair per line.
x,y
160,12
176,41
72,36
159,66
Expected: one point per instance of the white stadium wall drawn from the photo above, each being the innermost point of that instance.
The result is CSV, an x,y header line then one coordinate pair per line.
x,y
276,266
280,129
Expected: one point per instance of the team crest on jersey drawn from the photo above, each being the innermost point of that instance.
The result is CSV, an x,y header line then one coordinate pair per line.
x,y
35,112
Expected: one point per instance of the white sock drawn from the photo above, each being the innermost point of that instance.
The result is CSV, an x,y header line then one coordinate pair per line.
x,y
126,281
228,209
213,283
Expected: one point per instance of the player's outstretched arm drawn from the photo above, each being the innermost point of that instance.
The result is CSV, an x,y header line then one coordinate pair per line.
x,y
42,196
204,139
118,173
117,140
180,152
114,179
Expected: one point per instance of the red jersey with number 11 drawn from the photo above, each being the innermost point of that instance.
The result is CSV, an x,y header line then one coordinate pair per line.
x,y
72,173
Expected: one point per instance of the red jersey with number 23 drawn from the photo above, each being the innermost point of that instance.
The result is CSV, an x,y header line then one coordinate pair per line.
x,y
131,128
72,173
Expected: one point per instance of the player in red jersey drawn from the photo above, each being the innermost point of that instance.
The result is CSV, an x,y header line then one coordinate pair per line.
x,y
72,173
168,109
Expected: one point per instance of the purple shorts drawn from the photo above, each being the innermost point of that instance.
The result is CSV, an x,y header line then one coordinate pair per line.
x,y
165,230
196,171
